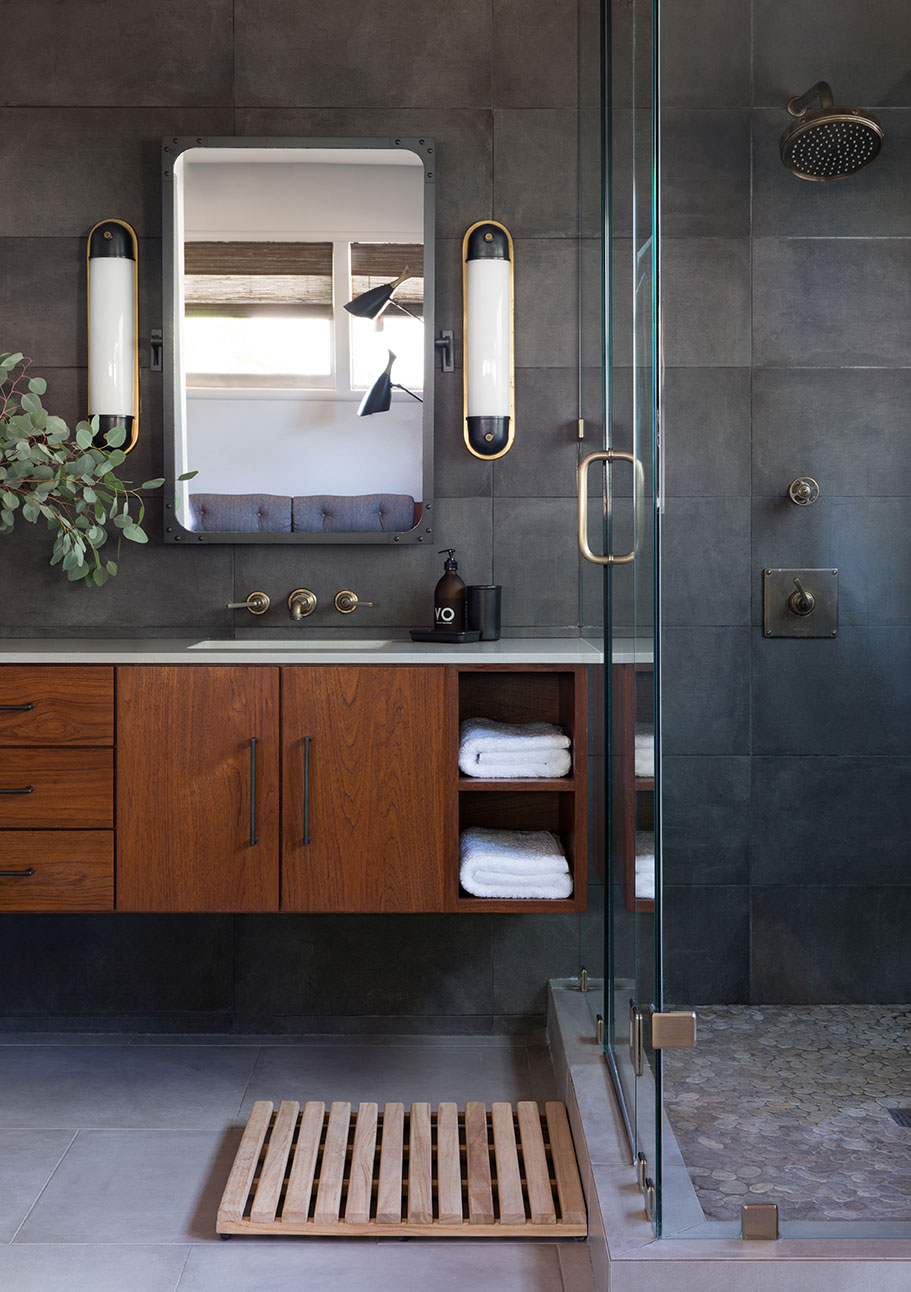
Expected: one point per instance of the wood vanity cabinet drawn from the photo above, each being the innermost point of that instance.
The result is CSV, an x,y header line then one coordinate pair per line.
x,y
366,757
197,799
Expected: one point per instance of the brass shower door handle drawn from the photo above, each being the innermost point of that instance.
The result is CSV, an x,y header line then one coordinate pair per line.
x,y
610,456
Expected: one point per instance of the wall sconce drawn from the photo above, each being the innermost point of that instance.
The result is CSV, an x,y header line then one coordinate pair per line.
x,y
489,340
113,304
379,397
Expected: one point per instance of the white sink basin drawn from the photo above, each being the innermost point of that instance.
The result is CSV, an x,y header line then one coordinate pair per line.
x,y
289,644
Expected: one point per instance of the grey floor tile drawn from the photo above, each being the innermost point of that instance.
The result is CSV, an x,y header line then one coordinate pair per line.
x,y
107,1086
301,1039
541,1069
66,1038
144,1186
576,1267
27,1161
87,1267
341,1266
389,1073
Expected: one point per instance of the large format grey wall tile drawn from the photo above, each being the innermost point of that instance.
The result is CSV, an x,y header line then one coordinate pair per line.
x,y
547,303
706,702
706,293
861,49
542,461
99,54
705,554
534,53
706,815
706,432
536,560
706,48
847,695
831,944
705,173
831,302
831,820
706,944
536,165
370,53
846,427
527,950
867,540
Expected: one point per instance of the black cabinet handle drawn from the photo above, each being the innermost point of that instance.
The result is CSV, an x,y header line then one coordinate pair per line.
x,y
26,789
253,838
306,789
17,874
16,708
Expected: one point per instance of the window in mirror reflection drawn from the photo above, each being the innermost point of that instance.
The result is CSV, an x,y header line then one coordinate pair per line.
x,y
262,347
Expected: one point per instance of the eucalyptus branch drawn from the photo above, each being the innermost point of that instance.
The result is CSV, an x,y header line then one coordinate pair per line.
x,y
71,482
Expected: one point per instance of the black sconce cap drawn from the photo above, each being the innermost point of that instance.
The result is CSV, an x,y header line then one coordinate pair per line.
x,y
112,238
487,242
488,436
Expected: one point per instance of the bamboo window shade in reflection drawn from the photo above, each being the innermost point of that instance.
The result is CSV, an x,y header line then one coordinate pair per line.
x,y
376,263
239,279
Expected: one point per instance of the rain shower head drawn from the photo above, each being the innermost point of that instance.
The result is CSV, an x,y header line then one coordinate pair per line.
x,y
830,142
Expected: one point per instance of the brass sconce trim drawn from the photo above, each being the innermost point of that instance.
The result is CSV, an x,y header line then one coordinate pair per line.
x,y
511,435
107,233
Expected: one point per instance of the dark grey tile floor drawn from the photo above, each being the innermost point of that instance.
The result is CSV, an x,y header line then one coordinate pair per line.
x,y
114,1152
790,1104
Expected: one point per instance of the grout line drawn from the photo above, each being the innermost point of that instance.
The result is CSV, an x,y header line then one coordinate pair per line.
x,y
259,1054
183,1268
44,1187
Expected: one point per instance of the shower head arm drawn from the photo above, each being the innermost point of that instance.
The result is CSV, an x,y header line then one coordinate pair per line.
x,y
822,90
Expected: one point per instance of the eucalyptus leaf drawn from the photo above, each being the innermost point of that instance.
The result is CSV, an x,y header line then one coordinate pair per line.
x,y
7,517
188,475
115,437
152,484
135,534
37,385
30,511
31,403
111,567
84,437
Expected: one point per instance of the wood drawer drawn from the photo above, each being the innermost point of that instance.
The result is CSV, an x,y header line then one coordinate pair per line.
x,y
72,870
63,787
50,704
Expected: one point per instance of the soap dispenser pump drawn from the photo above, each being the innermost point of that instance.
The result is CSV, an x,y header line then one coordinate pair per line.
x,y
450,598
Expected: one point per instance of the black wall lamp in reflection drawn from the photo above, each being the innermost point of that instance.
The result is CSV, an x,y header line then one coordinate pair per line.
x,y
112,257
488,337
379,397
370,304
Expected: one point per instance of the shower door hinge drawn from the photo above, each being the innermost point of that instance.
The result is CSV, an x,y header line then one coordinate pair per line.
x,y
673,1031
759,1220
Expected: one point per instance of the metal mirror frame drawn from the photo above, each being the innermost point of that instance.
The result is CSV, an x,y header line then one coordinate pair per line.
x,y
172,147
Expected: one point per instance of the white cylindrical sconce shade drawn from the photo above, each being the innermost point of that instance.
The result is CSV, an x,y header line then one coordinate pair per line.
x,y
113,328
488,376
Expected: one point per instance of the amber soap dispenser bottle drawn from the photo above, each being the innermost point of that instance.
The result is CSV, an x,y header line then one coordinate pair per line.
x,y
450,598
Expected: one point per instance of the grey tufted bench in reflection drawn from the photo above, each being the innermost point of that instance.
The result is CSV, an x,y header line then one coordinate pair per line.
x,y
266,513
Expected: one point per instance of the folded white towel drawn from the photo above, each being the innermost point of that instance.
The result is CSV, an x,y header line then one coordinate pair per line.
x,y
548,763
526,741
513,863
645,876
645,752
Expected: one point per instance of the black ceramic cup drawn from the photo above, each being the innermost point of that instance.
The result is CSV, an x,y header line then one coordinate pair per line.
x,y
484,610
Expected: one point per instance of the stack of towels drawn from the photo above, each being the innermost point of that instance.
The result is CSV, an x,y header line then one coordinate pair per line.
x,y
510,750
645,864
645,751
513,863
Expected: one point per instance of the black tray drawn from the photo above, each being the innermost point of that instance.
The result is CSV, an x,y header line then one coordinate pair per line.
x,y
444,635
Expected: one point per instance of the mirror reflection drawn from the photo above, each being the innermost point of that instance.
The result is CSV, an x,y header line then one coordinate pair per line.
x,y
272,375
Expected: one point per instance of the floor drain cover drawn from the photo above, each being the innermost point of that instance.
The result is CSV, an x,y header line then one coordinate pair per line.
x,y
901,1115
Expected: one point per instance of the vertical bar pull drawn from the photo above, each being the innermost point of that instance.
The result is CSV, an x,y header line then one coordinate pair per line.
x,y
306,789
610,456
253,838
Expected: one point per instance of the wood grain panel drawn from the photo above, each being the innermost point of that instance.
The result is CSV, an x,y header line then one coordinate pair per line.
x,y
69,788
380,762
73,870
183,788
70,704
389,1189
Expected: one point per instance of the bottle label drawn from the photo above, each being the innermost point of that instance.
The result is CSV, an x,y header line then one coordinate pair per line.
x,y
444,616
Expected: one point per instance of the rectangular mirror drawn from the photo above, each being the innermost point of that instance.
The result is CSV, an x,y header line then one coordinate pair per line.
x,y
306,421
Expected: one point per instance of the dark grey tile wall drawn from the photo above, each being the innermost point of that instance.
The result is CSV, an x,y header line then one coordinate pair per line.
x,y
786,804
495,82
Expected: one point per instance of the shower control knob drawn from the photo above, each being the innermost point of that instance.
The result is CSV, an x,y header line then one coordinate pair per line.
x,y
803,491
801,602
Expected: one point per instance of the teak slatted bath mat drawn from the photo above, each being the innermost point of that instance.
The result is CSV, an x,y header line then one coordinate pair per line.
x,y
506,1173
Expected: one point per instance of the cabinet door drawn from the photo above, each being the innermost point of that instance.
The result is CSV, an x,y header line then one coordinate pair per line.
x,y
366,772
197,800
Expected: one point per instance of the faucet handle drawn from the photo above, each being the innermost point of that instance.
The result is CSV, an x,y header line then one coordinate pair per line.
x,y
346,602
256,602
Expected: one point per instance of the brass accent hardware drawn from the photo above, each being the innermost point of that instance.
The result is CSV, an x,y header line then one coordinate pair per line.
x,y
346,602
674,1031
800,603
803,491
635,1039
610,456
256,602
599,1029
580,428
641,1171
651,1198
583,980
759,1220
301,603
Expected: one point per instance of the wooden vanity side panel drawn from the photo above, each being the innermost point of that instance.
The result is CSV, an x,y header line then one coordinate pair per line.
x,y
183,788
380,774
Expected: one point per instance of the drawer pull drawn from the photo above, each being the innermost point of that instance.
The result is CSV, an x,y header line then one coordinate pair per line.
x,y
16,708
25,789
17,874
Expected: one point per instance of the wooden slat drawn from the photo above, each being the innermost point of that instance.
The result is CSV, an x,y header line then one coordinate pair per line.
x,y
303,1168
509,1181
360,1175
272,1176
480,1193
449,1170
332,1168
389,1192
537,1172
237,1189
420,1164
569,1188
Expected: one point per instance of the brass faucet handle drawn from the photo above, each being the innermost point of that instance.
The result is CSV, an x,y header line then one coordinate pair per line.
x,y
346,602
257,603
301,603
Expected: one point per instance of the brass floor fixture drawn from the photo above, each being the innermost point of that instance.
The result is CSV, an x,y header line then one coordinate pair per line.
x,y
507,1172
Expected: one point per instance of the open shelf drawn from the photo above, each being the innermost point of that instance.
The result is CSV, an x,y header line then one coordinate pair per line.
x,y
633,796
